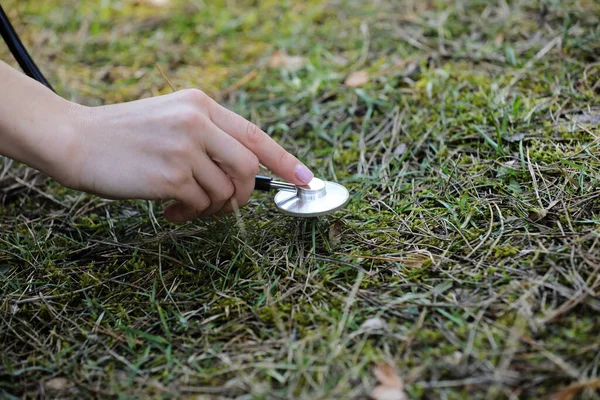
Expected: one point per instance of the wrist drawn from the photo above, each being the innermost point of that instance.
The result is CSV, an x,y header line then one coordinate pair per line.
x,y
61,158
49,140
38,127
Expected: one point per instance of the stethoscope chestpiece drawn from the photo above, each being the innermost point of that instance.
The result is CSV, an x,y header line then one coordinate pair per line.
x,y
312,200
316,198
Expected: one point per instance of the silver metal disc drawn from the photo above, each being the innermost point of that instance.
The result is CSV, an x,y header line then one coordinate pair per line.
x,y
317,198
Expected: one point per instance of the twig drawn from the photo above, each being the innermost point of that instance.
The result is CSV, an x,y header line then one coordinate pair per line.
x,y
164,77
245,79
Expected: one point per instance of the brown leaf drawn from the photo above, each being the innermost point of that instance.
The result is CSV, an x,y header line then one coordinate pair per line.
x,y
335,233
283,60
340,60
386,393
357,79
373,324
57,384
387,375
415,260
391,386
591,117
155,3
400,149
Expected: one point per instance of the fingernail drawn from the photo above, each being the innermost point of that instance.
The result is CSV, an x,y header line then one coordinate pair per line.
x,y
303,174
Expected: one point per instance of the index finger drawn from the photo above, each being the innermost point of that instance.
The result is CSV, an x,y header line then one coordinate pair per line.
x,y
269,153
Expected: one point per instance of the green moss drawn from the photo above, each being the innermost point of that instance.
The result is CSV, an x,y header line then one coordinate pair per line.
x,y
264,306
505,251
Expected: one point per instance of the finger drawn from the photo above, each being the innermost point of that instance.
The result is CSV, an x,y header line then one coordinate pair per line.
x,y
230,207
230,155
179,212
271,154
192,201
215,183
240,164
243,191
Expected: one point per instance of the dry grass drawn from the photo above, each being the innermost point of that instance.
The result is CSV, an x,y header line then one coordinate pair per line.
x,y
472,157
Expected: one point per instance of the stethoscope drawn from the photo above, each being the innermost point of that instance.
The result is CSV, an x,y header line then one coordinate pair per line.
x,y
314,199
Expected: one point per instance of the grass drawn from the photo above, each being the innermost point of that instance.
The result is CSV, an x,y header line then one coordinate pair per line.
x,y
473,228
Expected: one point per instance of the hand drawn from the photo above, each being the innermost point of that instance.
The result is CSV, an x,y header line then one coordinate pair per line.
x,y
182,146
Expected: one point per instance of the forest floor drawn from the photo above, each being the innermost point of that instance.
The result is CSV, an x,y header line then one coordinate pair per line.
x,y
468,135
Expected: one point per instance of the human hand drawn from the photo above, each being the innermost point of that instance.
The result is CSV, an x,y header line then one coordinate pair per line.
x,y
182,146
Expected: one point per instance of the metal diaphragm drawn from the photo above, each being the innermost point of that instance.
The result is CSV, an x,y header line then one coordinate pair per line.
x,y
312,200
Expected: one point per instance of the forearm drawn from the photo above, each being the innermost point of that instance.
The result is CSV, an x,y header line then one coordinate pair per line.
x,y
36,125
183,146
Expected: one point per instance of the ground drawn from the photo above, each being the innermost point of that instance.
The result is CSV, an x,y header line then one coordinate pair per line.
x,y
468,134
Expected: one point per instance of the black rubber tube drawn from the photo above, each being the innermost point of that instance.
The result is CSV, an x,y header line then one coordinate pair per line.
x,y
19,52
262,183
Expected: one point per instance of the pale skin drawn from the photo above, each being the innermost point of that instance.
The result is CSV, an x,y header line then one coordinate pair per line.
x,y
182,146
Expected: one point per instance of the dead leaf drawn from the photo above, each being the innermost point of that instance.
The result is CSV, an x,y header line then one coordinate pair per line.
x,y
569,392
537,214
408,67
283,60
391,386
516,137
415,260
340,60
357,79
57,384
587,118
373,324
155,3
387,375
400,149
386,393
335,233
